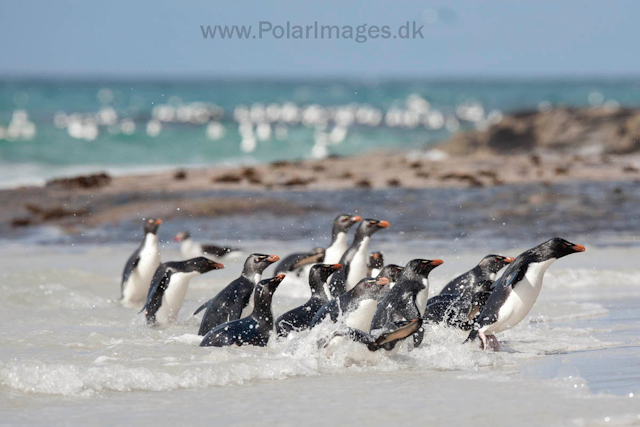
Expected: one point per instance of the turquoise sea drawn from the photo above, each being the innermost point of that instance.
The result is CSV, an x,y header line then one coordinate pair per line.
x,y
61,127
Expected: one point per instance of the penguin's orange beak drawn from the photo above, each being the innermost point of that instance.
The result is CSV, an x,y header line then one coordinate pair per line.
x,y
274,258
177,238
356,218
578,248
384,224
382,281
217,265
279,278
509,259
437,262
336,267
158,221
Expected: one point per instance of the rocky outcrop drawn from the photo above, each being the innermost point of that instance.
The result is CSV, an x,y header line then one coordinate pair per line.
x,y
584,131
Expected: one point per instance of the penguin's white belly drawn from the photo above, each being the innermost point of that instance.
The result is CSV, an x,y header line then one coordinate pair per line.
x,y
521,299
136,288
423,297
334,252
361,317
173,298
358,266
249,308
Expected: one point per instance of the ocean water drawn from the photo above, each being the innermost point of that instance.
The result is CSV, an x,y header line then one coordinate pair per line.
x,y
53,128
71,354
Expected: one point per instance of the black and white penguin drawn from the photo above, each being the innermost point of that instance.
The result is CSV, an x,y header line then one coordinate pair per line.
x,y
354,260
458,310
139,269
254,329
169,287
230,301
375,264
297,260
461,299
515,292
391,272
300,318
192,249
487,269
399,314
339,243
354,305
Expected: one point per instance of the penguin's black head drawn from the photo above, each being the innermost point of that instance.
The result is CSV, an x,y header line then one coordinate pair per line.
x,y
376,260
370,288
369,226
391,272
494,263
183,235
557,248
151,225
269,286
202,265
319,273
344,222
420,268
256,263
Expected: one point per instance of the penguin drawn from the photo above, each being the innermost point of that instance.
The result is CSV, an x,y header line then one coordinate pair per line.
x,y
191,249
297,260
339,244
458,310
254,329
230,301
515,292
139,269
354,260
375,264
399,314
487,269
169,287
391,272
459,301
299,318
354,304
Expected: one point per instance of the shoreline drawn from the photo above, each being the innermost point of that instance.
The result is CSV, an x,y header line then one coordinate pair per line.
x,y
93,200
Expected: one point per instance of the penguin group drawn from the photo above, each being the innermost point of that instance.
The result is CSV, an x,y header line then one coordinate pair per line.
x,y
353,291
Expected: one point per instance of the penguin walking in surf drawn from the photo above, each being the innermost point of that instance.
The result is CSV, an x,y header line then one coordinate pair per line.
x,y
255,329
192,249
356,306
399,314
354,260
230,301
141,265
515,292
463,297
339,242
169,287
300,318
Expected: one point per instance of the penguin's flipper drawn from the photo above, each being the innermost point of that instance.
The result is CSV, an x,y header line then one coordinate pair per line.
x,y
159,284
202,307
397,331
131,265
312,258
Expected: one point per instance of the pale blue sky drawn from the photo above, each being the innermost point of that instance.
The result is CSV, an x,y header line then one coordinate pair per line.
x,y
147,39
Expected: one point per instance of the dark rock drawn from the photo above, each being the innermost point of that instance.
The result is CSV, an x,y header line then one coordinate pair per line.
x,y
84,181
